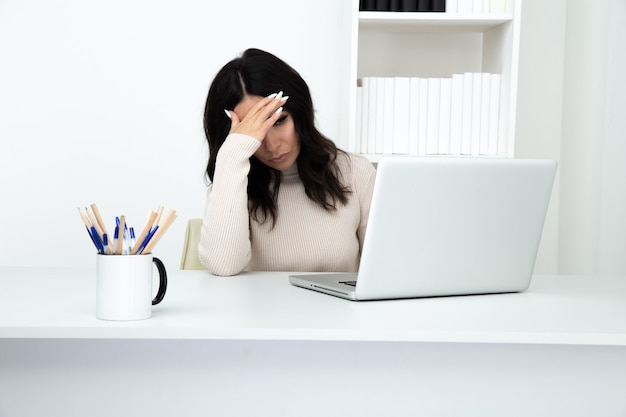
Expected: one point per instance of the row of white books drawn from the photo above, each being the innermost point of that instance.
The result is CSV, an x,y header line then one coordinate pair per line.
x,y
429,116
477,6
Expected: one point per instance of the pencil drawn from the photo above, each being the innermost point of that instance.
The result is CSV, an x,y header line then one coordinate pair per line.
x,y
144,233
167,222
85,219
93,221
96,213
120,235
158,217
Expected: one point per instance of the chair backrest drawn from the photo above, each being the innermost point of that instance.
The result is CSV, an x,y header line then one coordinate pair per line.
x,y
189,259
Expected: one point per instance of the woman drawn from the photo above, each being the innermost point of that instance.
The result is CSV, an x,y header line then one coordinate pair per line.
x,y
281,195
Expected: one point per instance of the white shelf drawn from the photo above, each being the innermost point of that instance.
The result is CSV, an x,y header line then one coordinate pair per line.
x,y
437,45
432,22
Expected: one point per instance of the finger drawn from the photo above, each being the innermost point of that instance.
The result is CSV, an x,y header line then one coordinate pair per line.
x,y
273,117
269,105
235,120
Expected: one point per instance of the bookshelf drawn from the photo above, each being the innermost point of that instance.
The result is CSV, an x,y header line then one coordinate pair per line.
x,y
439,46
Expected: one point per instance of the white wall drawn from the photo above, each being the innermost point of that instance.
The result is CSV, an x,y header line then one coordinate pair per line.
x,y
571,107
101,102
540,95
593,172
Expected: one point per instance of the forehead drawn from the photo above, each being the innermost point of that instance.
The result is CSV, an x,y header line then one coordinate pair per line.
x,y
246,104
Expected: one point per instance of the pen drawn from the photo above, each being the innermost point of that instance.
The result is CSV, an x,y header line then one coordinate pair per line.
x,y
105,243
124,240
97,240
100,222
147,239
91,236
144,233
132,240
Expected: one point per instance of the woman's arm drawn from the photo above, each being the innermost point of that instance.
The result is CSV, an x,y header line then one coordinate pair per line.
x,y
224,247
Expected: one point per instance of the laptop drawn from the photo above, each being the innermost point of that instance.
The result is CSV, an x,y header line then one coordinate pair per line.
x,y
445,226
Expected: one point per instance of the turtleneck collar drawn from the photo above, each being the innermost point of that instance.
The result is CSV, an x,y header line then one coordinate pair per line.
x,y
291,172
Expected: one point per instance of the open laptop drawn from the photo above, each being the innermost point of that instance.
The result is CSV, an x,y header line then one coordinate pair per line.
x,y
441,226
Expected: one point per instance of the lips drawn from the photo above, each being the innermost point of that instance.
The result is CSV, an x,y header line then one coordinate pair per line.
x,y
280,158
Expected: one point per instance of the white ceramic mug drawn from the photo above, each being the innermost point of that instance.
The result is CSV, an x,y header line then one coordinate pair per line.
x,y
124,286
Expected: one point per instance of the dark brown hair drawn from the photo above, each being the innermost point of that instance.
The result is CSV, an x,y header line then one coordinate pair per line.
x,y
260,73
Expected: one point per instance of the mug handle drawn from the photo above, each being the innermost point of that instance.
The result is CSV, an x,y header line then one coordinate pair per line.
x,y
162,281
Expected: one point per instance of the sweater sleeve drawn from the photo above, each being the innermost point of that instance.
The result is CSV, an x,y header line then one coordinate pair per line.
x,y
224,247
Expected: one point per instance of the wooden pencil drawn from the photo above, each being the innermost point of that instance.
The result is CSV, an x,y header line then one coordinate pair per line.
x,y
98,217
167,222
120,235
144,232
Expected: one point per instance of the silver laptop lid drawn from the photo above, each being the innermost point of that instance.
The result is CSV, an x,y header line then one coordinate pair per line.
x,y
453,225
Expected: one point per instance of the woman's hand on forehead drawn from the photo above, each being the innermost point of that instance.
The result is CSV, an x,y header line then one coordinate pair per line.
x,y
260,114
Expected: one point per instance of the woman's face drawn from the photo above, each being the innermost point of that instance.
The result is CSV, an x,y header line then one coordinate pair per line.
x,y
281,145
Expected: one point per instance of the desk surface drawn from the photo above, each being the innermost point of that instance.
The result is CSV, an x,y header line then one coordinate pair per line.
x,y
60,303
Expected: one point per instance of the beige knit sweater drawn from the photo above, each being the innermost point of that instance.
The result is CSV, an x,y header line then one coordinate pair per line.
x,y
305,238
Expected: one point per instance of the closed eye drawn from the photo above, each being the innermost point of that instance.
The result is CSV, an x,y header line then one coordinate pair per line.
x,y
280,120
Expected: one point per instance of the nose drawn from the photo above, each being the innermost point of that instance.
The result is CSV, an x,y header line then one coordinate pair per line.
x,y
271,142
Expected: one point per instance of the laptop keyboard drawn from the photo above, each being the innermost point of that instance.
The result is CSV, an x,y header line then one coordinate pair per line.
x,y
351,283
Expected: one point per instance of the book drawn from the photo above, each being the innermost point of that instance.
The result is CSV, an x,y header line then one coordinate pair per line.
x,y
367,5
476,113
382,5
372,117
387,137
395,5
354,143
486,6
456,114
494,114
377,143
497,6
414,109
438,6
422,127
423,6
432,122
466,132
465,6
365,116
483,147
445,97
401,112
409,5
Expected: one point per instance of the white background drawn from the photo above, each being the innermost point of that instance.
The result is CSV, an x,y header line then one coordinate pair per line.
x,y
102,102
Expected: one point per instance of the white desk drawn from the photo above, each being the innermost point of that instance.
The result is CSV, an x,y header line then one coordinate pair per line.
x,y
255,345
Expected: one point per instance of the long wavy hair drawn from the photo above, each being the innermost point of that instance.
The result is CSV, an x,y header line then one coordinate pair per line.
x,y
260,73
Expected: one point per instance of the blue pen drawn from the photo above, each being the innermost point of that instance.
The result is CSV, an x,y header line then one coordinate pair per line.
x,y
132,240
91,236
97,240
115,238
147,239
105,243
125,240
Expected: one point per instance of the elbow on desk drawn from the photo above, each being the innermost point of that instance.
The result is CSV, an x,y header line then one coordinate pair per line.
x,y
221,265
222,271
